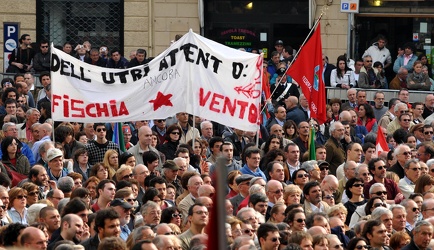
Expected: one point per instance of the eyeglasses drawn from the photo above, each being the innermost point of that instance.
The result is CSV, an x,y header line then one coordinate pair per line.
x,y
429,132
403,111
34,193
415,209
128,176
382,204
302,175
174,133
44,47
278,191
415,169
329,197
381,167
170,233
160,121
274,239
201,212
247,231
300,220
381,193
3,207
323,168
339,245
100,129
368,61
363,246
176,215
131,200
358,185
406,153
366,174
20,197
406,120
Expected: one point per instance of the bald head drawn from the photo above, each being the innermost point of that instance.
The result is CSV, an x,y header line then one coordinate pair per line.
x,y
316,230
45,129
345,116
206,190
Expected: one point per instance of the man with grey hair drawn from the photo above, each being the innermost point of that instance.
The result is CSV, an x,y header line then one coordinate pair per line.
x,y
249,215
376,190
358,228
402,154
66,184
312,169
349,173
399,109
413,213
163,229
43,149
151,213
385,216
387,117
366,80
430,165
412,171
24,129
354,153
206,130
163,242
422,235
362,172
45,131
399,218
10,129
140,172
334,150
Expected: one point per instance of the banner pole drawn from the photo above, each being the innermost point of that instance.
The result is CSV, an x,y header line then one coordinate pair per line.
x,y
296,54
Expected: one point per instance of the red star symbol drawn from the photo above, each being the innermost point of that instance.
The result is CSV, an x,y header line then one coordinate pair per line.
x,y
161,100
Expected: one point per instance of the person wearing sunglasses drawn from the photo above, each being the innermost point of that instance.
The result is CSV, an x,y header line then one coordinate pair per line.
x,y
413,213
32,193
412,171
171,141
17,209
300,177
358,243
268,236
41,61
425,151
354,192
377,167
98,147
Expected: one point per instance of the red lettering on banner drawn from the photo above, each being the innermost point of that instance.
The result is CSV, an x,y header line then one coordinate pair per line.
x,y
224,104
78,109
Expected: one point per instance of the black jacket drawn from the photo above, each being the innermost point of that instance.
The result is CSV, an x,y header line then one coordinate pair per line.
x,y
91,243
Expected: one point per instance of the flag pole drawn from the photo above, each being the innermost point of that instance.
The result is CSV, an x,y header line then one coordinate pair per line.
x,y
296,54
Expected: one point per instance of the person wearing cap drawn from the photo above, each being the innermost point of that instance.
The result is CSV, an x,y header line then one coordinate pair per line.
x,y
55,164
278,45
243,188
170,174
126,130
124,210
324,169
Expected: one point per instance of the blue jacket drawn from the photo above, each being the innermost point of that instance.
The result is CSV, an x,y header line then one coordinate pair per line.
x,y
258,173
400,63
295,114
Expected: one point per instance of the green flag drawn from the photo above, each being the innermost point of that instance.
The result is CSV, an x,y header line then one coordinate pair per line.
x,y
312,153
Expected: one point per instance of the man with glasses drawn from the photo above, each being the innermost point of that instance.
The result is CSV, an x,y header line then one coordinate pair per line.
x,y
368,78
274,192
268,236
41,61
404,122
253,157
313,199
151,213
412,171
399,109
198,218
362,172
412,210
160,128
402,153
375,232
96,148
379,108
377,167
428,133
427,208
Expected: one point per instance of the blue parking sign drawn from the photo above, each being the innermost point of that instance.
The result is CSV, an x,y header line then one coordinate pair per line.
x,y
345,6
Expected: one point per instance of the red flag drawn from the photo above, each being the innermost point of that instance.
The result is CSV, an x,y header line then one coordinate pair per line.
x,y
307,71
381,143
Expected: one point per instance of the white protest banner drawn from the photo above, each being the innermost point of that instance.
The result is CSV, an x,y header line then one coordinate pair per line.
x,y
194,75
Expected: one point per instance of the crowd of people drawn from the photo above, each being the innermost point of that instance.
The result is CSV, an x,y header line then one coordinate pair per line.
x,y
69,185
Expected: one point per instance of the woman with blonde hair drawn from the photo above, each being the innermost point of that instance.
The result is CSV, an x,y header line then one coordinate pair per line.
x,y
320,242
292,194
124,173
277,213
111,161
